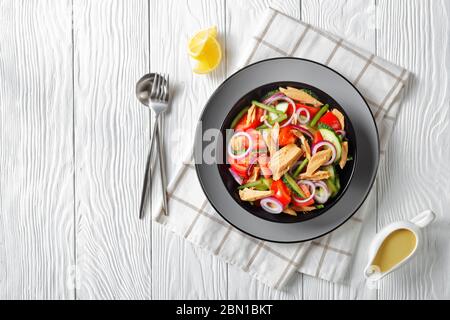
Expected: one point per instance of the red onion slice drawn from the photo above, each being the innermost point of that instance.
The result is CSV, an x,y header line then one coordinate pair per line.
x,y
244,154
327,144
252,163
322,198
294,112
273,97
304,130
307,117
271,205
236,177
312,189
342,133
265,120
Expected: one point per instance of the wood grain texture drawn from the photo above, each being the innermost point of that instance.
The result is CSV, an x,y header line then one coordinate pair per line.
x,y
415,34
36,160
242,18
181,271
73,142
113,251
355,21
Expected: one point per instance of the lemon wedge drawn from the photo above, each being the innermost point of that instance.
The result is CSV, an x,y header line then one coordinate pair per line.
x,y
198,41
205,50
209,57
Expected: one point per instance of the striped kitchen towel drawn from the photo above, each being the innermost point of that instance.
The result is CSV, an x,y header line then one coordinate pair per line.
x,y
329,257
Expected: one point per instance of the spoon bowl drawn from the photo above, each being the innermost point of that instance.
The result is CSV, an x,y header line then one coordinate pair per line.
x,y
144,87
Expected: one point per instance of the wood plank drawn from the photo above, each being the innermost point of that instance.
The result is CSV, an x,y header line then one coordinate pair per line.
x,y
179,270
415,35
111,135
355,21
242,18
36,153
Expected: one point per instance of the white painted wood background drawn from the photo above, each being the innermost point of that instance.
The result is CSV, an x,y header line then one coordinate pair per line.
x,y
73,141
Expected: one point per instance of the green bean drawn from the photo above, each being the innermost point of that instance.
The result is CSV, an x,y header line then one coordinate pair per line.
x,y
319,115
250,185
300,168
266,107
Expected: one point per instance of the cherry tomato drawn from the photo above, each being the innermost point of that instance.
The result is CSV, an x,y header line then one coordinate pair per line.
x,y
242,124
281,192
331,120
286,137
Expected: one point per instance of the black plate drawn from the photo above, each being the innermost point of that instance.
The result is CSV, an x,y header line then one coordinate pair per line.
x,y
221,106
345,175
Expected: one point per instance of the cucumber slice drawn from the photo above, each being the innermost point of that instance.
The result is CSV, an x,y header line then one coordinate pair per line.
x,y
290,182
273,116
331,136
334,185
320,192
337,182
282,107
333,189
267,182
324,126
332,172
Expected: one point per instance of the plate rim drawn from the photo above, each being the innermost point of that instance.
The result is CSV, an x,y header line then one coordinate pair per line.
x,y
377,160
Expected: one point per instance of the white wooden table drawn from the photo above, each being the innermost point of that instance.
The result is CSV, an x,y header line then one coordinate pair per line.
x,y
73,141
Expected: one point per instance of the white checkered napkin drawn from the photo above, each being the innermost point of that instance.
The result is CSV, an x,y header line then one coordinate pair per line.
x,y
192,217
379,81
329,258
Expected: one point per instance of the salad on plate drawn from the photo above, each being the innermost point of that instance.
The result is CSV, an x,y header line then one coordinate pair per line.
x,y
287,150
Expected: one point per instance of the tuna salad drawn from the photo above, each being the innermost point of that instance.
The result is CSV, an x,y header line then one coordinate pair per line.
x,y
286,151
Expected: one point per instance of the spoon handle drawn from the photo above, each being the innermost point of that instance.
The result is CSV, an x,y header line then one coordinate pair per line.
x,y
147,171
162,170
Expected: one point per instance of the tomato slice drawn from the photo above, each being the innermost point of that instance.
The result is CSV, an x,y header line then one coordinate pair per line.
x,y
242,124
317,137
307,193
331,120
281,192
286,137
240,166
312,110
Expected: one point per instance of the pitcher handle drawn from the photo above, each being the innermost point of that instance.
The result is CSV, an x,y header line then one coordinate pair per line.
x,y
423,219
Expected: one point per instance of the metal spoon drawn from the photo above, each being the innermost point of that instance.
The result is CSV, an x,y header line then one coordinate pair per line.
x,y
143,89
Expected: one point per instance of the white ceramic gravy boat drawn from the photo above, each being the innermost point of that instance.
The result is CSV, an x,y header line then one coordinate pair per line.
x,y
414,225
